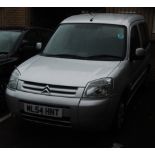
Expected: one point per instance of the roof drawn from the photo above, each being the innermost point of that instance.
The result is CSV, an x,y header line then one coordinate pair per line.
x,y
106,18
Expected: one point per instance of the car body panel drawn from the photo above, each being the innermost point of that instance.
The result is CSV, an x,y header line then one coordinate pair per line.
x,y
62,71
85,113
107,18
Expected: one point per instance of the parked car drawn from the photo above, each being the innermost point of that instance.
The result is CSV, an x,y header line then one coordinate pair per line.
x,y
17,44
87,74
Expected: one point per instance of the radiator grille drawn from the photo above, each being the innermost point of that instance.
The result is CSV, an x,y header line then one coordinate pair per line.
x,y
49,89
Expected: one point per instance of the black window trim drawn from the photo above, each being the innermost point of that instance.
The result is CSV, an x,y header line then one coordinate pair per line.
x,y
143,22
140,42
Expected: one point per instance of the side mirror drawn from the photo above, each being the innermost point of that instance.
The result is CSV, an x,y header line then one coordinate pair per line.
x,y
39,46
140,53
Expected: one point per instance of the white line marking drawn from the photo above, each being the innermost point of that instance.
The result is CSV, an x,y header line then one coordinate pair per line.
x,y
4,118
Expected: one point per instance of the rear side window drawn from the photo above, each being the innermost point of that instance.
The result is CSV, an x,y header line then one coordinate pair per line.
x,y
134,40
37,35
31,36
144,34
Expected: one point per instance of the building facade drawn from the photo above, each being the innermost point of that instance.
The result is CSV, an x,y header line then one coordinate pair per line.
x,y
50,17
14,16
45,17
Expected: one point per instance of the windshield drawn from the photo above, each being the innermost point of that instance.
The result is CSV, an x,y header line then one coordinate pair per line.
x,y
93,41
8,40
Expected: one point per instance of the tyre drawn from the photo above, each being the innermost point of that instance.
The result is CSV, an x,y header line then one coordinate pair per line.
x,y
121,116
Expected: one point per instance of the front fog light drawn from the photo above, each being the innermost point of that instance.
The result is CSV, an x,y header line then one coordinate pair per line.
x,y
99,89
14,80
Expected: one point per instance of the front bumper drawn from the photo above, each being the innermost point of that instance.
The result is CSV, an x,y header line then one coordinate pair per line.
x,y
77,113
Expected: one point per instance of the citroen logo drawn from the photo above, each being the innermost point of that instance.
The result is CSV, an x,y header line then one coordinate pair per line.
x,y
46,90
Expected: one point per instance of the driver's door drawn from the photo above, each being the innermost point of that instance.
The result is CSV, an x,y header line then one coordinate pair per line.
x,y
135,65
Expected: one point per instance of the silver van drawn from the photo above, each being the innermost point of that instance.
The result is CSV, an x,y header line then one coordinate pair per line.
x,y
87,74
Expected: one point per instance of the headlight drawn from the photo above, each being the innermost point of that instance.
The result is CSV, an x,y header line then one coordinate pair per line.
x,y
14,80
99,89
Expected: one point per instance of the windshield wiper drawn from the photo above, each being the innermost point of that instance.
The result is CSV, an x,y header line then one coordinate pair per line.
x,y
103,56
81,57
65,56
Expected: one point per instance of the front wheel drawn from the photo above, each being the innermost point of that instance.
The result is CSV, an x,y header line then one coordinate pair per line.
x,y
120,116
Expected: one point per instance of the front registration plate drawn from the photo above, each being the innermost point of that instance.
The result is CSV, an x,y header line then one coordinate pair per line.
x,y
43,110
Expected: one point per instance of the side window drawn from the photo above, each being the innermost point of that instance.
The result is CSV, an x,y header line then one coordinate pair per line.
x,y
134,40
44,36
27,48
31,36
144,34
